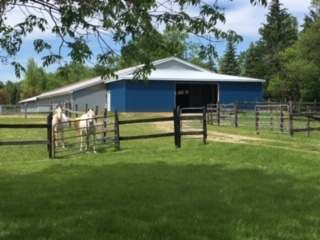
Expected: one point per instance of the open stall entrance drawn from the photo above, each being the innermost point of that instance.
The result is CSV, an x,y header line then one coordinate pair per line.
x,y
195,95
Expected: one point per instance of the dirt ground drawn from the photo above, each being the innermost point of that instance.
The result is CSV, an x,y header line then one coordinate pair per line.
x,y
213,135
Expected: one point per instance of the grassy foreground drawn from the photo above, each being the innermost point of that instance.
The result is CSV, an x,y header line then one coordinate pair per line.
x,y
265,186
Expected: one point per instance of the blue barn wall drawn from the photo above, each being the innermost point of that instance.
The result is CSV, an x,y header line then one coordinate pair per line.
x,y
150,96
118,95
230,92
159,96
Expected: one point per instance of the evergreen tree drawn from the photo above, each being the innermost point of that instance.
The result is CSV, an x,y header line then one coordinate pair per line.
x,y
255,60
279,33
313,15
229,64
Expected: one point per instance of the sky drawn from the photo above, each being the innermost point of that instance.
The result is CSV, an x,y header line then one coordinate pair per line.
x,y
241,17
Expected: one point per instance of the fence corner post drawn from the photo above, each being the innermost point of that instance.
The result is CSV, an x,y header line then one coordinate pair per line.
x,y
117,130
236,114
49,134
204,125
177,128
290,118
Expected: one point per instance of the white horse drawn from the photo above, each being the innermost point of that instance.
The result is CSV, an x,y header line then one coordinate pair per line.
x,y
86,124
59,122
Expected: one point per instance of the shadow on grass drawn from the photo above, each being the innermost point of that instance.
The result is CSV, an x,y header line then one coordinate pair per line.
x,y
157,201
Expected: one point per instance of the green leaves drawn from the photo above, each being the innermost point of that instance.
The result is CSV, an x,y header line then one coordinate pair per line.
x,y
79,50
40,45
82,26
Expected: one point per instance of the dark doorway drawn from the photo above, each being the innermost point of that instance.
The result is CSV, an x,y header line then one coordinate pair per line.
x,y
182,95
196,95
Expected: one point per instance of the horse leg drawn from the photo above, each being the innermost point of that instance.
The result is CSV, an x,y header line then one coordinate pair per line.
x,y
55,137
81,137
87,140
94,142
62,138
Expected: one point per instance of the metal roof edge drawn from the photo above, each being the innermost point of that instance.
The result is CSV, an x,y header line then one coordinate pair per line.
x,y
200,80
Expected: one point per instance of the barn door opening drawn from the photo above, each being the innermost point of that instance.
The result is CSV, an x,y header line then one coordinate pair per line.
x,y
196,95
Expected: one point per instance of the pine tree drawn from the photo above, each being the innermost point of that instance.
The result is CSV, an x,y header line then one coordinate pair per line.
x,y
229,64
279,33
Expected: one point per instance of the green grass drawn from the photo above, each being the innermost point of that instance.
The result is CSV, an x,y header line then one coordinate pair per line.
x,y
266,187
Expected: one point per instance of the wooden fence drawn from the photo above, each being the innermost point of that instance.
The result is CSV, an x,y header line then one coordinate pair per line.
x,y
176,119
47,126
268,116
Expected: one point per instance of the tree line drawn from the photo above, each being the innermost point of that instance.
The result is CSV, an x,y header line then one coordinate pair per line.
x,y
286,57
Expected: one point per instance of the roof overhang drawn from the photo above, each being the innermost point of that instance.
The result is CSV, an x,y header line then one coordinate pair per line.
x,y
189,76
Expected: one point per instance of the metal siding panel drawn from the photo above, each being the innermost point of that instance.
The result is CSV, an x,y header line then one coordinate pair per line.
x,y
117,90
151,96
240,91
94,96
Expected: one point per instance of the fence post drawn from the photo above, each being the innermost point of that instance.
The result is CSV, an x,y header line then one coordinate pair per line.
x,y
281,120
290,119
236,114
105,124
308,127
177,127
117,130
49,134
204,124
25,110
218,113
76,110
257,119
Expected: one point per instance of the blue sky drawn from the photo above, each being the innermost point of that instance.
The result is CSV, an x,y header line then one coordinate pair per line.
x,y
241,17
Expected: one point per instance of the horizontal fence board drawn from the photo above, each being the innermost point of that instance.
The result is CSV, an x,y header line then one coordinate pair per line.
x,y
15,143
305,129
162,119
147,136
191,117
23,125
192,133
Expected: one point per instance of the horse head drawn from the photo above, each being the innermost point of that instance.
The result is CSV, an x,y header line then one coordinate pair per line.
x,y
91,116
58,113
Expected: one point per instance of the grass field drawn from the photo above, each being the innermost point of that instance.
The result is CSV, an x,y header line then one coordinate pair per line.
x,y
239,186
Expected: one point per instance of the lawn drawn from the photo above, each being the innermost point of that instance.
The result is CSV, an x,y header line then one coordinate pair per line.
x,y
238,186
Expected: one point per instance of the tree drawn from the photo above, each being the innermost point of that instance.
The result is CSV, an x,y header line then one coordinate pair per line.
x,y
13,89
301,65
173,42
34,81
255,60
229,64
4,97
78,22
279,33
313,15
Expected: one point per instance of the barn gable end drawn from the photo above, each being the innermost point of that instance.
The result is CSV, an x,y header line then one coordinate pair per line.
x,y
176,82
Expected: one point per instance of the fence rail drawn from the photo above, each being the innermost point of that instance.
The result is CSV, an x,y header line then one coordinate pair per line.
x,y
176,119
47,142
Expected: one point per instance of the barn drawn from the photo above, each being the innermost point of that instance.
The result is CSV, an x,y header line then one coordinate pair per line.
x,y
175,82
91,93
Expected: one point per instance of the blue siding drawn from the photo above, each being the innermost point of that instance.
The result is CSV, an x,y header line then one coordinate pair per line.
x,y
118,95
239,91
157,96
